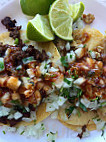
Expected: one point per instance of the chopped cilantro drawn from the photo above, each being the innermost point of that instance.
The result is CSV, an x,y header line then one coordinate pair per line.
x,y
78,113
83,107
98,119
15,101
34,121
84,45
71,56
103,130
102,133
53,83
74,75
28,60
103,104
26,41
45,67
19,67
90,51
91,73
4,132
92,100
43,128
52,133
42,124
66,93
67,81
61,89
64,61
69,71
22,132
18,106
69,111
79,92
0,103
1,64
53,75
16,41
94,117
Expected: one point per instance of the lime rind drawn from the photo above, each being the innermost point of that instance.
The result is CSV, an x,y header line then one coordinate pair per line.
x,y
33,7
38,29
77,10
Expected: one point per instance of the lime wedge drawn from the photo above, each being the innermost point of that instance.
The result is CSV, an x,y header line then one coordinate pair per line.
x,y
38,29
77,10
61,20
33,7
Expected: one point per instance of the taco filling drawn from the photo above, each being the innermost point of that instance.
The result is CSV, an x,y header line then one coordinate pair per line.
x,y
84,83
26,75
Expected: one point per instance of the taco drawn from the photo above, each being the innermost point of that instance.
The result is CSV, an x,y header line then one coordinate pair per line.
x,y
84,80
23,79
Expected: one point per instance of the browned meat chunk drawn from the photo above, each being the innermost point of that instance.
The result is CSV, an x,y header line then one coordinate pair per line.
x,y
88,19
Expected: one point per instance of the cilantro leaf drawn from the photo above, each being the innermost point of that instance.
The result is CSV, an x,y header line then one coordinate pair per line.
x,y
83,107
67,81
64,61
69,111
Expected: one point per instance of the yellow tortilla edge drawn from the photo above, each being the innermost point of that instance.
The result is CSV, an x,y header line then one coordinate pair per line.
x,y
41,113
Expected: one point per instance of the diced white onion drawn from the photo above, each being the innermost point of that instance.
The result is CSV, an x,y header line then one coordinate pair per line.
x,y
54,115
71,57
11,116
17,115
52,69
30,73
49,54
99,124
54,102
67,46
26,119
79,81
61,47
79,52
4,111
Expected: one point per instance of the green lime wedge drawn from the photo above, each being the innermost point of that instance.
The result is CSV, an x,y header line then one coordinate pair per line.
x,y
77,10
61,20
38,29
33,7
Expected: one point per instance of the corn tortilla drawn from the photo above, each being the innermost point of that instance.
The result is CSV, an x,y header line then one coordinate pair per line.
x,y
76,127
95,37
41,113
84,118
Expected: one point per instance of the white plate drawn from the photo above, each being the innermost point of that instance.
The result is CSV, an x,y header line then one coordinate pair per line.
x,y
12,9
